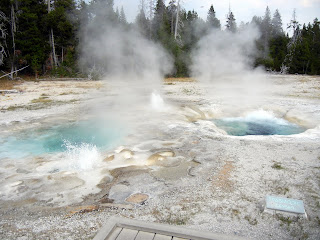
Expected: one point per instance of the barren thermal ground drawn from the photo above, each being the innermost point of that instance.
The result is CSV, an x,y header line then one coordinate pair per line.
x,y
189,152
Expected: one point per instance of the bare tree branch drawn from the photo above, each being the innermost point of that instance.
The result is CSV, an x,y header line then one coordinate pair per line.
x,y
14,72
3,16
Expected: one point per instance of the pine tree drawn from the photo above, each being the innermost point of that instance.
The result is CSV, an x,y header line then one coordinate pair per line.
x,y
60,23
276,23
278,51
142,22
122,18
231,22
266,29
289,63
314,31
172,13
212,21
103,15
31,38
8,29
5,23
161,25
117,14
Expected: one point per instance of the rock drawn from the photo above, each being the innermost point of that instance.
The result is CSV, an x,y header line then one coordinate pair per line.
x,y
128,171
82,209
109,158
167,154
62,180
104,182
115,205
171,162
20,170
119,193
138,198
174,173
106,200
155,158
158,157
126,153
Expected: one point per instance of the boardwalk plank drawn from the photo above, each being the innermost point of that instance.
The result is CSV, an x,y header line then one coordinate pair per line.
x,y
162,237
115,233
162,232
127,234
145,236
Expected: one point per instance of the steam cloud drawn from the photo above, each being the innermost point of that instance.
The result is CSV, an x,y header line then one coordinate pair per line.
x,y
223,62
130,64
125,55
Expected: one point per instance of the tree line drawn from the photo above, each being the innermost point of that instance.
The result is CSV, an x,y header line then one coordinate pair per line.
x,y
43,37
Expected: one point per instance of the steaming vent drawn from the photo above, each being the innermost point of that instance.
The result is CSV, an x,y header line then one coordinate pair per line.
x,y
258,123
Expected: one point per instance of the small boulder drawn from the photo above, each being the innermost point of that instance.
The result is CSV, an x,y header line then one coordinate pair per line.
x,y
109,158
126,153
158,157
137,198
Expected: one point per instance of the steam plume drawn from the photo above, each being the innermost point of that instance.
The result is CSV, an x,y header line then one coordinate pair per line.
x,y
223,61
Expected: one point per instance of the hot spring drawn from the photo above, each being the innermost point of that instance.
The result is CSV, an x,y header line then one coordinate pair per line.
x,y
56,163
258,123
64,137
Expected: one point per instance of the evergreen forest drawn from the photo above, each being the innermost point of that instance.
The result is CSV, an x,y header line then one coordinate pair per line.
x,y
45,37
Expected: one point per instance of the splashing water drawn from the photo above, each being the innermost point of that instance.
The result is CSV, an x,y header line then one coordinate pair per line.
x,y
259,122
157,102
33,142
83,156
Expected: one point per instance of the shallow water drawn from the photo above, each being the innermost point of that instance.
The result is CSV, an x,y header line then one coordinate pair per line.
x,y
60,138
258,123
56,163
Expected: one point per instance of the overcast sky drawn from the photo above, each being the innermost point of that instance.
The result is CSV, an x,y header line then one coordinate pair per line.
x,y
244,10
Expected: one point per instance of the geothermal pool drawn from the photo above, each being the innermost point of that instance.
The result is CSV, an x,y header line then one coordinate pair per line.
x,y
64,137
56,163
258,123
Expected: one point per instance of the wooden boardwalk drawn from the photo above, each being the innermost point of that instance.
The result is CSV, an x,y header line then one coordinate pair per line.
x,y
128,229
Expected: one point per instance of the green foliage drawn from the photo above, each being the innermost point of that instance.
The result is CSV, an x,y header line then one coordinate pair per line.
x,y
231,22
277,166
305,53
143,23
278,51
31,39
212,21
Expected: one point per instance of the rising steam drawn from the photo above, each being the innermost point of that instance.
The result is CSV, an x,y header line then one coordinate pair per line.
x,y
223,61
125,59
121,53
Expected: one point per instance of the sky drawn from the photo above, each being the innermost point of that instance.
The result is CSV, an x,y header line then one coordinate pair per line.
x,y
243,10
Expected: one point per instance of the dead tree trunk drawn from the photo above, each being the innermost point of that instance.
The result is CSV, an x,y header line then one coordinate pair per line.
x,y
177,21
151,10
13,31
8,74
53,58
3,35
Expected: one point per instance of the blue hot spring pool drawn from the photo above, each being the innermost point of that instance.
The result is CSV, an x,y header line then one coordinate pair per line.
x,y
59,138
258,123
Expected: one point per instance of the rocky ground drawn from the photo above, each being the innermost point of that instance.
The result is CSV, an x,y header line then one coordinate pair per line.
x,y
175,167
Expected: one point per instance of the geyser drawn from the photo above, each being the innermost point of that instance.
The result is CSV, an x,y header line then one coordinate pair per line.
x,y
258,123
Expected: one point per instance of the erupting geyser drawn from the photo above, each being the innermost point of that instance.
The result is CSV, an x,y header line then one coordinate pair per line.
x,y
258,123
